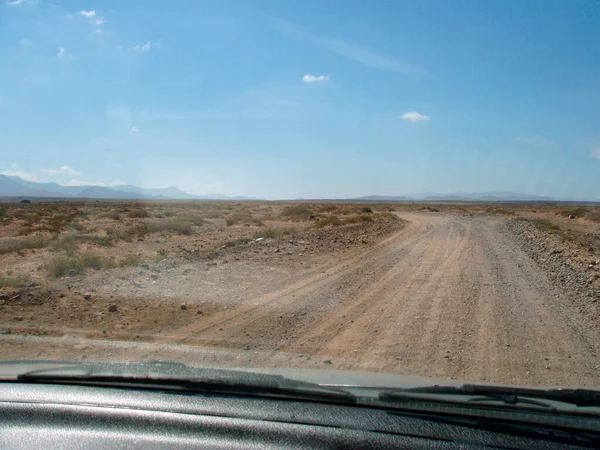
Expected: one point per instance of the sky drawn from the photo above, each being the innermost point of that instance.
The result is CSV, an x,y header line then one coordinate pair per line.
x,y
311,99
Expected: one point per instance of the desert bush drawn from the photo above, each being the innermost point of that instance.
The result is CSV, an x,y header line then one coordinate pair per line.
x,y
15,245
161,254
138,214
70,243
241,217
273,233
366,209
130,260
65,265
296,212
178,226
7,281
545,223
326,208
329,220
576,212
358,219
2,211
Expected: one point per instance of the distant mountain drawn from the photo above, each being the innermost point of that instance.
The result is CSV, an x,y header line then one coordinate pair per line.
x,y
385,198
170,192
12,186
103,192
461,197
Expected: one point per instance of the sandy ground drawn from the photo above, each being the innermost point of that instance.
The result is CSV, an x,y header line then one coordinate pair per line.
x,y
448,296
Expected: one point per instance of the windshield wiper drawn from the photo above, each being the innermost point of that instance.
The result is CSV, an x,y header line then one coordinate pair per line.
x,y
508,395
179,377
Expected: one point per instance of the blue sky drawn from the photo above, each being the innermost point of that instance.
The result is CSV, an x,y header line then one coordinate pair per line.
x,y
305,99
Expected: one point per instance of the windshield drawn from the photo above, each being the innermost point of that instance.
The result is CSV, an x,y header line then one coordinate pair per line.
x,y
399,188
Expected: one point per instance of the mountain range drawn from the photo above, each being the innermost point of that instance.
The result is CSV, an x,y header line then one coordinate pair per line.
x,y
462,197
13,186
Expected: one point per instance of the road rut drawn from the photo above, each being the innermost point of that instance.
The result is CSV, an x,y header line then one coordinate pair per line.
x,y
449,296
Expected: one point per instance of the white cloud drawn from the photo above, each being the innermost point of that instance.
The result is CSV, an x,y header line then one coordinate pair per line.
x,y
134,129
346,49
66,170
62,53
75,182
100,21
537,141
87,14
414,117
15,2
313,78
145,48
595,153
15,171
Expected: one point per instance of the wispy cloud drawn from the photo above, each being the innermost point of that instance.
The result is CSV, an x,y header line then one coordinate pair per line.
x,y
16,171
537,141
15,2
100,21
64,170
75,182
414,117
145,48
595,153
134,129
89,14
62,53
308,78
345,49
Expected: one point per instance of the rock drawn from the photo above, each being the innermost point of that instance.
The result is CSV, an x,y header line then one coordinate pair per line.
x,y
140,239
183,306
327,361
277,250
199,312
113,308
72,273
19,318
154,276
87,295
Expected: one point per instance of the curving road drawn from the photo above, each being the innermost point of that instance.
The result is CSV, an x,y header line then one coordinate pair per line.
x,y
449,296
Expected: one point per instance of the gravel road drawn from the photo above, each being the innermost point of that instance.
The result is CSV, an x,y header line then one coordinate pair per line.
x,y
448,296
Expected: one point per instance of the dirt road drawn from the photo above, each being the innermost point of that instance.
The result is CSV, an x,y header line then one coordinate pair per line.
x,y
449,296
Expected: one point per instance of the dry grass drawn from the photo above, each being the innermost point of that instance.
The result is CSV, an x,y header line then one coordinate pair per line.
x,y
61,266
296,212
7,281
16,245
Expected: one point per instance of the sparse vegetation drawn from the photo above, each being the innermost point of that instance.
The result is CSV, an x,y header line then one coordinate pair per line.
x,y
273,233
545,223
61,266
296,212
138,214
16,245
130,260
7,281
329,220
